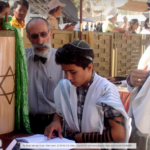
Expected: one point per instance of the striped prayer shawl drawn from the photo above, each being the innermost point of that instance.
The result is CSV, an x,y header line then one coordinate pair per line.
x,y
100,91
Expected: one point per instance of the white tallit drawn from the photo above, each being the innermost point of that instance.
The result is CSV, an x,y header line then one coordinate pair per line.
x,y
65,98
140,100
140,107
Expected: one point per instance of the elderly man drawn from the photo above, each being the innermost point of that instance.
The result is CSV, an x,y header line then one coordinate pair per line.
x,y
110,26
44,74
20,9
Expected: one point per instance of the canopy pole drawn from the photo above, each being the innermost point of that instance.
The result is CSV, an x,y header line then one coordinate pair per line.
x,y
80,32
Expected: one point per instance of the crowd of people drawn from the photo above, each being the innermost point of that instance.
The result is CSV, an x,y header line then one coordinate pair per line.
x,y
64,93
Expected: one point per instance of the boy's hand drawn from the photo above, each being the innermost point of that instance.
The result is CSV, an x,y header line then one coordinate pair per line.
x,y
55,125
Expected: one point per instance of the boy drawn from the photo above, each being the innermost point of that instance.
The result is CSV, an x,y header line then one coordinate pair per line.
x,y
88,104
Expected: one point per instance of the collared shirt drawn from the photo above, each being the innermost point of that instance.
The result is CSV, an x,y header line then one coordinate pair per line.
x,y
108,26
14,22
109,112
43,78
53,22
81,92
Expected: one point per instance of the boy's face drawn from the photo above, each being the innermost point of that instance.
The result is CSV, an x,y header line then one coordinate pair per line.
x,y
77,75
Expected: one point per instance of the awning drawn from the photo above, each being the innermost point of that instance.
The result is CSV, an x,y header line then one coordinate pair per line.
x,y
135,6
146,15
70,10
87,20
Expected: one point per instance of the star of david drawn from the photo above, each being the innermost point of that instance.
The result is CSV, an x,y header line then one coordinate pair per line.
x,y
4,77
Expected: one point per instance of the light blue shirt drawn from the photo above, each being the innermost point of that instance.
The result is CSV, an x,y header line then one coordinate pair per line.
x,y
43,78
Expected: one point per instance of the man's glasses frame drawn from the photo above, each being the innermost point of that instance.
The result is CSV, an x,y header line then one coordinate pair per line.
x,y
42,34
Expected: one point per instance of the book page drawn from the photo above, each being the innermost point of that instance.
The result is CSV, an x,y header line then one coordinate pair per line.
x,y
37,138
40,138
58,140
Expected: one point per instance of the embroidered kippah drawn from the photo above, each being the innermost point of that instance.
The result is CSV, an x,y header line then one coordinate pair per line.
x,y
81,44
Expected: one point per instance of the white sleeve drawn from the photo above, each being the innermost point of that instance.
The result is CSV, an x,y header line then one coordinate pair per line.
x,y
145,59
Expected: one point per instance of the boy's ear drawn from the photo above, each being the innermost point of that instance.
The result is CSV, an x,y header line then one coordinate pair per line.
x,y
90,66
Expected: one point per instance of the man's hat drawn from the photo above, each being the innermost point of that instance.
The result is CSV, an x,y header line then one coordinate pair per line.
x,y
111,12
54,4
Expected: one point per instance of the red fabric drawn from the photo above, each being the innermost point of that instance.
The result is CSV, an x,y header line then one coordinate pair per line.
x,y
125,97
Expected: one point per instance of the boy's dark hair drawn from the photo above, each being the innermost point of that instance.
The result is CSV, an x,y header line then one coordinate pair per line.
x,y
3,5
71,54
21,2
53,10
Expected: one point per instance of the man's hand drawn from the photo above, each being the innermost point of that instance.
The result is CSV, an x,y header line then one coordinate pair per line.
x,y
126,34
68,27
138,77
71,28
54,126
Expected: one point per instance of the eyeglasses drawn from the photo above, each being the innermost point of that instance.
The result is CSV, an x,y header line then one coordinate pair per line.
x,y
42,34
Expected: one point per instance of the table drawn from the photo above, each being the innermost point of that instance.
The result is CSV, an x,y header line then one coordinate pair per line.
x,y
125,96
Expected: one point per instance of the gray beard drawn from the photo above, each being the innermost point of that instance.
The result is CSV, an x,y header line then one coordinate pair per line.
x,y
42,52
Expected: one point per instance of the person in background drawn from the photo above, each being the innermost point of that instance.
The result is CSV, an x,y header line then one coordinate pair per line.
x,y
146,28
87,26
139,29
95,26
99,27
20,9
91,26
133,25
110,26
4,8
54,10
43,72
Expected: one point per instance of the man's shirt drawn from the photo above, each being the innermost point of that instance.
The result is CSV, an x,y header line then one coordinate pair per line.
x,y
53,22
108,26
43,78
14,22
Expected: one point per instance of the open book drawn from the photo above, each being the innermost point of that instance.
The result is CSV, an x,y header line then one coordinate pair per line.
x,y
40,138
